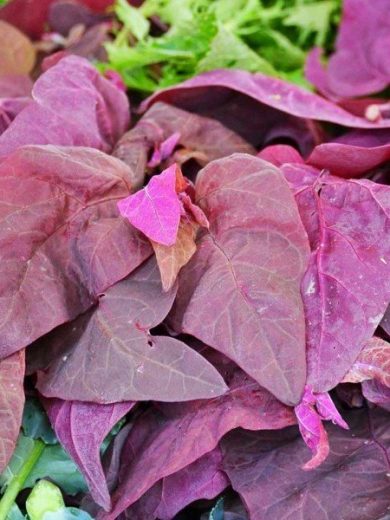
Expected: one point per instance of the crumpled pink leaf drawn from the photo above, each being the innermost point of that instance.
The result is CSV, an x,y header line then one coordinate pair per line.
x,y
155,210
166,439
99,115
164,150
373,362
204,139
81,429
212,87
11,404
264,468
62,241
252,261
346,288
115,357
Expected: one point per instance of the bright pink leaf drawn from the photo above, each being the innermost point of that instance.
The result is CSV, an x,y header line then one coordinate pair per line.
x,y
155,210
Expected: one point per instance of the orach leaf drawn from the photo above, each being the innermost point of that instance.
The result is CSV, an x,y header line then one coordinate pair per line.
x,y
155,210
17,51
81,428
99,115
11,404
352,483
373,362
252,262
141,366
62,241
205,138
345,221
166,439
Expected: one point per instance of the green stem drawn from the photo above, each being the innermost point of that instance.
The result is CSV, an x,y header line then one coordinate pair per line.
x,y
16,484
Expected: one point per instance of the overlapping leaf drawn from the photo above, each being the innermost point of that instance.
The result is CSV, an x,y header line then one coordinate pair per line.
x,y
373,362
108,355
62,240
252,262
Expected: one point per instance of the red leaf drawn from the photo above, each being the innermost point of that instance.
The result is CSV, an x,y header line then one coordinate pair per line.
x,y
11,404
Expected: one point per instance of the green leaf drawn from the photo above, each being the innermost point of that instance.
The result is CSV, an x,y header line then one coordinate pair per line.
x,y
228,51
23,450
36,424
56,464
217,512
45,497
68,513
134,21
15,513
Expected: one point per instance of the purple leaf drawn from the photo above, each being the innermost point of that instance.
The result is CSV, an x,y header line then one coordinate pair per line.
x,y
99,112
168,438
377,393
213,88
155,210
62,240
164,150
373,362
81,429
264,469
141,366
240,292
347,286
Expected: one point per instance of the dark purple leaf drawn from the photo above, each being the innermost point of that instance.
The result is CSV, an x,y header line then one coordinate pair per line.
x,y
166,439
240,292
377,393
116,335
353,483
65,14
81,429
62,240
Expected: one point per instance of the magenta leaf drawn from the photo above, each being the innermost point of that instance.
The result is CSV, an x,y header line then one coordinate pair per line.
x,y
168,438
328,411
164,150
62,240
263,468
155,210
81,429
252,261
142,366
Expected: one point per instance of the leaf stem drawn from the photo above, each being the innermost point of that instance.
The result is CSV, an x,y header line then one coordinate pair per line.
x,y
16,484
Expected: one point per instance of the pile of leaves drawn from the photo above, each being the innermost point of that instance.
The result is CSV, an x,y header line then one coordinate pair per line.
x,y
195,293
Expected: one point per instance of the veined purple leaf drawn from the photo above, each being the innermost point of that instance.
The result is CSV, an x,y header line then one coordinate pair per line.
x,y
377,393
263,468
155,210
240,292
62,241
99,115
346,288
116,335
168,438
81,429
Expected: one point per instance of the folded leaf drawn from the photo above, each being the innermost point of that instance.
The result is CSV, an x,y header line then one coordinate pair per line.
x,y
155,210
116,335
11,404
240,292
81,429
347,286
373,362
168,438
62,240
215,87
170,259
207,138
377,393
99,115
263,468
